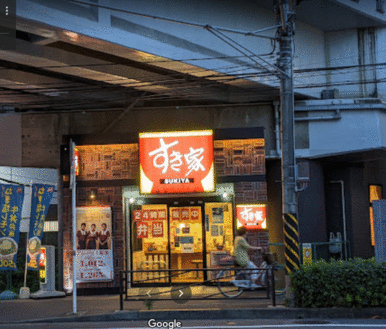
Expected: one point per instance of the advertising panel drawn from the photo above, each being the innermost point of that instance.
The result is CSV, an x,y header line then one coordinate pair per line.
x,y
42,265
11,201
176,162
307,253
252,216
40,202
150,220
94,244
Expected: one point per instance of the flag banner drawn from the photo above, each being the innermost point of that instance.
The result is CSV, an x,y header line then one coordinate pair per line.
x,y
11,202
40,202
94,254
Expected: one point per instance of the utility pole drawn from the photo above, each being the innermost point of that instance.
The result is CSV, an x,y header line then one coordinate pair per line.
x,y
288,162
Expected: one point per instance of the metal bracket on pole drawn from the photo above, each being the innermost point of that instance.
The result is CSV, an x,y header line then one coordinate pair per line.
x,y
73,190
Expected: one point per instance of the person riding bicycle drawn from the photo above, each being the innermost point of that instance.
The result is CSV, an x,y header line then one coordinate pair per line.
x,y
241,247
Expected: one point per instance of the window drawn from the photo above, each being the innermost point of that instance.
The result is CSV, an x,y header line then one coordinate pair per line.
x,y
375,194
380,6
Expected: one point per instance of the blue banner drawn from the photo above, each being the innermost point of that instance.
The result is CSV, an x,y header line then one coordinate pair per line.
x,y
40,202
11,202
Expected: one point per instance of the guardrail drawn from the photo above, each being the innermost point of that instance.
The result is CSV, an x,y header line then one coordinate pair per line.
x,y
134,284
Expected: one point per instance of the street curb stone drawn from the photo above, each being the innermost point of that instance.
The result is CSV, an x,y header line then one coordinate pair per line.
x,y
259,313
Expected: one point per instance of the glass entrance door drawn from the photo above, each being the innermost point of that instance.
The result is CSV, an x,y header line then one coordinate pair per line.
x,y
219,232
186,242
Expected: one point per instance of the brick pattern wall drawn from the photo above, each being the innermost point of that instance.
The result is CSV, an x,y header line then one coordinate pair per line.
x,y
250,192
257,238
239,157
106,162
110,196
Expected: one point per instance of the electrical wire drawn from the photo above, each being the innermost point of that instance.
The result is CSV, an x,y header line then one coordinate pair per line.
x,y
245,33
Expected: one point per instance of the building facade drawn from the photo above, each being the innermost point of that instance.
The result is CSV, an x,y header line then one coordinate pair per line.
x,y
103,74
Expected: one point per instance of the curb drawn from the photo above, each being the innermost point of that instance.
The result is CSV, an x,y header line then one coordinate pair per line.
x,y
227,314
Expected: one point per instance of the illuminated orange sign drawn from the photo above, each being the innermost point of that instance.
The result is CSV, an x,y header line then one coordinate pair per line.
x,y
176,162
76,157
42,263
252,216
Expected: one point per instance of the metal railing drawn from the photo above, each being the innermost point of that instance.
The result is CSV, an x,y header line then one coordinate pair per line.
x,y
166,282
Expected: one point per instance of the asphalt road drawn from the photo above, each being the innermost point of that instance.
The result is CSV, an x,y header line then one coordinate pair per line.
x,y
215,324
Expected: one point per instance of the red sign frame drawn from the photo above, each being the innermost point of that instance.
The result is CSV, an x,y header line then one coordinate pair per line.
x,y
176,162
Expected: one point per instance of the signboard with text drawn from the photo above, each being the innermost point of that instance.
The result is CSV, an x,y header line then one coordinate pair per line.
x,y
150,220
11,201
176,162
94,245
252,216
307,253
42,265
40,202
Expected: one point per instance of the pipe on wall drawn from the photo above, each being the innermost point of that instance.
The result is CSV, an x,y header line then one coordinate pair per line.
x,y
343,214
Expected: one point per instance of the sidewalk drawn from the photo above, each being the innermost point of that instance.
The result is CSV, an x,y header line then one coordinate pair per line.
x,y
106,308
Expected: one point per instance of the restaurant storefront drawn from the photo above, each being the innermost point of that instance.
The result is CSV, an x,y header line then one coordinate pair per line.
x,y
182,194
180,232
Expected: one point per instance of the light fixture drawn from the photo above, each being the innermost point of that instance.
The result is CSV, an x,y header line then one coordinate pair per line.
x,y
131,200
92,195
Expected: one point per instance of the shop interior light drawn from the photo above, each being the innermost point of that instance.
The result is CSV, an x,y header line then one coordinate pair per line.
x,y
131,200
92,196
141,201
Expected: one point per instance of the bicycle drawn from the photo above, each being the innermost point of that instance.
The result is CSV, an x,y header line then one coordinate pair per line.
x,y
233,281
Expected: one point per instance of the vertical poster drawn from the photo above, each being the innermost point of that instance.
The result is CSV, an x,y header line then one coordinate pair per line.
x,y
40,202
94,244
11,201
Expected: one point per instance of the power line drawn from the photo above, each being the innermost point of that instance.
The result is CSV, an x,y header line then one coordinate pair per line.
x,y
245,33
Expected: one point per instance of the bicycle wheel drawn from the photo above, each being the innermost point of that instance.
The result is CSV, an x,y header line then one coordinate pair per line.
x,y
225,283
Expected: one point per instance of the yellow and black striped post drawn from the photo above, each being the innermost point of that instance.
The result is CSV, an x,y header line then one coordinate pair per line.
x,y
291,243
